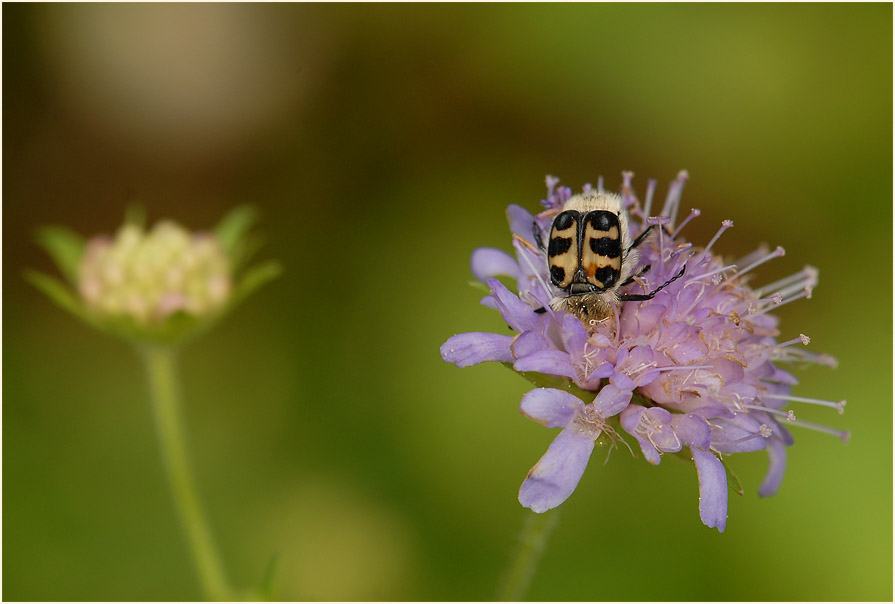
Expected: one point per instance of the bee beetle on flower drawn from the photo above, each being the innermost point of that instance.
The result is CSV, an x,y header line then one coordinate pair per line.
x,y
630,328
591,256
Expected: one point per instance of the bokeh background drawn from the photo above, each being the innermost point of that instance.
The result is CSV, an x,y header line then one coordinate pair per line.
x,y
381,144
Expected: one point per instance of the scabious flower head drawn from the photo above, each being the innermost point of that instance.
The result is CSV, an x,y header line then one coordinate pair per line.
x,y
155,286
695,371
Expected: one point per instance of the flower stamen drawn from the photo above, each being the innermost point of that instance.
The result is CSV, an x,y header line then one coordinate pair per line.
x,y
802,339
725,224
660,221
793,355
777,253
694,213
519,241
680,249
648,201
711,273
764,431
673,199
807,277
843,435
789,414
838,406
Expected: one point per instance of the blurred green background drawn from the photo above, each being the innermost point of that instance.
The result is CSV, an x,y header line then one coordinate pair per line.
x,y
381,144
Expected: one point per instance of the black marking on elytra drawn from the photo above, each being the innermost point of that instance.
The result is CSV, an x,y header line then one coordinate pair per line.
x,y
602,220
652,294
565,220
606,275
605,246
559,245
557,274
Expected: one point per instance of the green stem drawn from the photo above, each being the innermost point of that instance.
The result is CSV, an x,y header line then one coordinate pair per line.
x,y
160,364
532,541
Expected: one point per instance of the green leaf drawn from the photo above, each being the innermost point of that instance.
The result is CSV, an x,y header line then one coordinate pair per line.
x,y
135,215
243,252
232,228
254,278
64,246
732,481
57,292
480,285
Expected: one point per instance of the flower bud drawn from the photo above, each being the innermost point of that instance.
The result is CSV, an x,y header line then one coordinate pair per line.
x,y
151,275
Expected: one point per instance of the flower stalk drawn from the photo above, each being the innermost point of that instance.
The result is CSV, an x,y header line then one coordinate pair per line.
x,y
160,363
530,548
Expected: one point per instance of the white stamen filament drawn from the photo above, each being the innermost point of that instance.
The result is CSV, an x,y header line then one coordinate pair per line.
x,y
522,252
714,272
678,367
838,406
673,199
660,221
635,370
757,307
679,250
751,257
648,203
628,197
600,185
796,287
775,254
842,434
762,433
552,181
693,214
789,414
806,276
792,355
802,339
725,224
755,312
805,293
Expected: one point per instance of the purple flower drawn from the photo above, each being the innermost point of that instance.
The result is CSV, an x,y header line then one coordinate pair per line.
x,y
691,372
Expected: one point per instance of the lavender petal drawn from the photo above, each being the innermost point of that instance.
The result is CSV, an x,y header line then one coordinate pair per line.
x,y
489,262
573,334
777,456
611,400
557,473
521,222
551,407
712,489
528,343
552,362
692,430
466,349
518,315
630,419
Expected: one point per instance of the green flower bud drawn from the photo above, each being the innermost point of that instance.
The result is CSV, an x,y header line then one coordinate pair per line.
x,y
151,275
155,286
